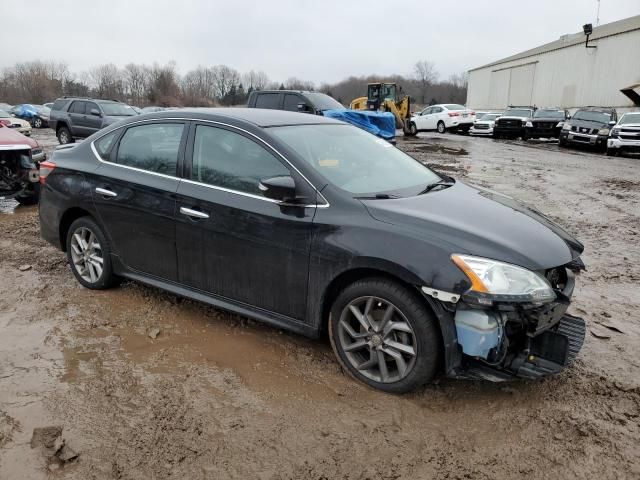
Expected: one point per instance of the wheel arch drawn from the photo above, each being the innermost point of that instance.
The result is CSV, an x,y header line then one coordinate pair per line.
x,y
68,217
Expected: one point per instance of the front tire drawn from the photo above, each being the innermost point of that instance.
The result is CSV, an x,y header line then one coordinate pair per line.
x,y
89,255
37,123
441,127
413,129
384,336
612,152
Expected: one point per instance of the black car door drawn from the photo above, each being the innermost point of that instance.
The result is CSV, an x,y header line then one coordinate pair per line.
x,y
231,240
134,192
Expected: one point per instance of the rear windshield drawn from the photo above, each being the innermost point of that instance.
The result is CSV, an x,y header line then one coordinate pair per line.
x,y
630,118
118,110
549,114
454,106
591,116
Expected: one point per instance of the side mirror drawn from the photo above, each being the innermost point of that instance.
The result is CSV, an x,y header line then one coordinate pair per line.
x,y
302,107
612,123
278,188
95,112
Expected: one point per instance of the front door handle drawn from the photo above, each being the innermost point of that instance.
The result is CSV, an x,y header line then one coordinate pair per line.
x,y
193,213
105,192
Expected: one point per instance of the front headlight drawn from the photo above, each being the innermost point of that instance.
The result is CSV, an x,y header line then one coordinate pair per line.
x,y
566,126
528,124
603,131
503,281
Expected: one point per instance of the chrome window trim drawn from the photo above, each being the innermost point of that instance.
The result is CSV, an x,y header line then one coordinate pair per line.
x,y
237,192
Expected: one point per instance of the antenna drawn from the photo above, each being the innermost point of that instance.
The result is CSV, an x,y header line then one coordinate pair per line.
x,y
598,14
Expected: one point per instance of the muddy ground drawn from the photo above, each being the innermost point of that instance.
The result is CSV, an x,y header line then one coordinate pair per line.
x,y
214,395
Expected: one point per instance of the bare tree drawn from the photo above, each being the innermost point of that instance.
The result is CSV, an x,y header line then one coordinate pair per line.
x,y
107,82
224,78
426,75
293,83
136,79
255,80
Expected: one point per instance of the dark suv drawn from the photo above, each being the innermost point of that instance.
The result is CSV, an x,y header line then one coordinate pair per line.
x,y
589,126
511,124
545,123
293,101
73,118
314,225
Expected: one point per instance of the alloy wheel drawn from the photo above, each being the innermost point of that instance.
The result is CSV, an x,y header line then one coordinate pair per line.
x,y
377,339
37,123
86,254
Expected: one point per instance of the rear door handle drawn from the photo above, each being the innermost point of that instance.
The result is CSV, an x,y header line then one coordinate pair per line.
x,y
105,192
193,213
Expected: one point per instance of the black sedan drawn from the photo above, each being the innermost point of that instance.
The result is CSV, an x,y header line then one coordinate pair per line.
x,y
316,226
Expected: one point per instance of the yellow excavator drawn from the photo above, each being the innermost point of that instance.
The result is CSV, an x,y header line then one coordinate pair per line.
x,y
383,97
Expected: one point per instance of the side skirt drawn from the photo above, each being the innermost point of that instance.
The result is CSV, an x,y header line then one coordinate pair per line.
x,y
265,316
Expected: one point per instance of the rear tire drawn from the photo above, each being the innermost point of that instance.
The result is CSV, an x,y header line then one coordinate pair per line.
x,y
441,127
413,129
399,351
89,255
64,136
37,122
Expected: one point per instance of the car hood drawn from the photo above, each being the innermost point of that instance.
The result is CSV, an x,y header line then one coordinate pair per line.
x,y
510,117
477,221
484,122
547,119
9,136
587,124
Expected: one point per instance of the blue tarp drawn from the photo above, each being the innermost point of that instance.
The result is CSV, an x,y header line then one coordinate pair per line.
x,y
26,110
381,124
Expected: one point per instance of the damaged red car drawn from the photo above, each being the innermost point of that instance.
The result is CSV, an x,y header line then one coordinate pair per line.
x,y
20,159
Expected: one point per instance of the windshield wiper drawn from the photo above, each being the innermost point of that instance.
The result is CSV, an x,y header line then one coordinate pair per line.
x,y
377,196
440,183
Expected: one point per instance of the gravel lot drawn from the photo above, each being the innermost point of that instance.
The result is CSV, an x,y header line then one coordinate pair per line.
x,y
214,395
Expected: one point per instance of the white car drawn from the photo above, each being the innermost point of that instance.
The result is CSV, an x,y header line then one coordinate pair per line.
x,y
484,124
448,116
625,135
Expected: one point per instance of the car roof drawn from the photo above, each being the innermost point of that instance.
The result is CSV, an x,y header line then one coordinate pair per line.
x,y
260,117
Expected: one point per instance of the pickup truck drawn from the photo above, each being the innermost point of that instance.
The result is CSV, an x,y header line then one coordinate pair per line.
x,y
73,117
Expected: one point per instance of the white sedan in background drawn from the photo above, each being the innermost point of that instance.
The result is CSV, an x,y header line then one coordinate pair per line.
x,y
484,124
447,116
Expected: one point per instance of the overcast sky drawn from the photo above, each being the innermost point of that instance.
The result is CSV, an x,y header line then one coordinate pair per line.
x,y
322,40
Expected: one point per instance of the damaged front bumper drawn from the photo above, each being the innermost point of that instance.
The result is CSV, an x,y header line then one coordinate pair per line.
x,y
503,341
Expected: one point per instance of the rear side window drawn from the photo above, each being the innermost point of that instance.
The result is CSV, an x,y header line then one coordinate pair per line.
x,y
268,100
104,144
227,159
153,148
58,104
77,107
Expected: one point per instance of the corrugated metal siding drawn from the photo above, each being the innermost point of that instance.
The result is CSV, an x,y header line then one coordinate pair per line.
x,y
570,77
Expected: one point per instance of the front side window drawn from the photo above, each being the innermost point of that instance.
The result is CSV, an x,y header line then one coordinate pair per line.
x,y
291,102
355,160
226,159
153,147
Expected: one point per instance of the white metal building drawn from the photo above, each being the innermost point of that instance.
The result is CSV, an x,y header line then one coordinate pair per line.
x,y
565,73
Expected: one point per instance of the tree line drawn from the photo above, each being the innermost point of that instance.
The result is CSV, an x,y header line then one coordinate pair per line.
x,y
205,86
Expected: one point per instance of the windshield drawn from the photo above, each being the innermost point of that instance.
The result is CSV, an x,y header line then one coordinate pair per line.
x,y
549,114
630,118
44,110
591,116
118,110
453,106
489,116
355,160
324,102
517,112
